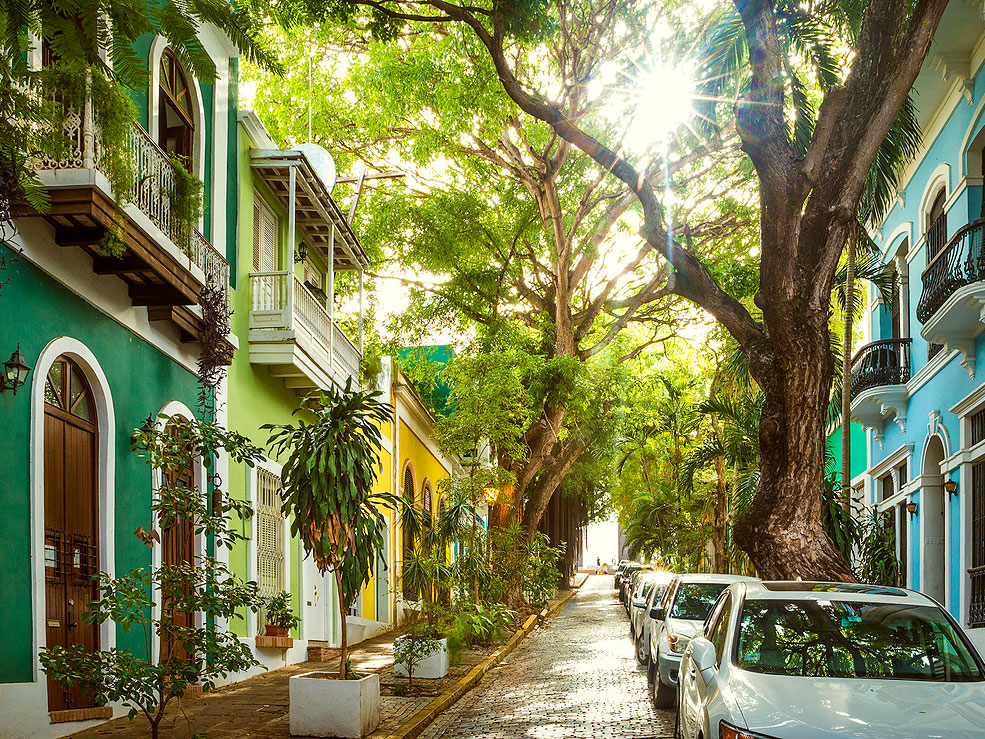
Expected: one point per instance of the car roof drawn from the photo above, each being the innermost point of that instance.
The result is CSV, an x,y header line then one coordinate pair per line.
x,y
660,576
711,577
820,590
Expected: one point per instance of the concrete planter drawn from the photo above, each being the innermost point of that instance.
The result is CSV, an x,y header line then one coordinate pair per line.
x,y
431,667
324,706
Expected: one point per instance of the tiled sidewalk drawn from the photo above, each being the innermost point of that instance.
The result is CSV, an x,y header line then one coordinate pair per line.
x,y
258,707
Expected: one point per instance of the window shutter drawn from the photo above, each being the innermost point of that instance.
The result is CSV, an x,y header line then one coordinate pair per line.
x,y
268,241
270,537
257,220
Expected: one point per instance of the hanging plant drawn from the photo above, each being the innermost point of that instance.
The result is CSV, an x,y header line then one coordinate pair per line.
x,y
186,199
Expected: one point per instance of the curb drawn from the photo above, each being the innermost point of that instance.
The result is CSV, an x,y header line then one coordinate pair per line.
x,y
423,718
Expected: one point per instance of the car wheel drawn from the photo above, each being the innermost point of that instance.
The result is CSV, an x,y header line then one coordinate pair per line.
x,y
663,695
642,651
651,674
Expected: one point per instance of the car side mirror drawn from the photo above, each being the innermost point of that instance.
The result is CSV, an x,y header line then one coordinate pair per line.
x,y
639,603
703,654
657,613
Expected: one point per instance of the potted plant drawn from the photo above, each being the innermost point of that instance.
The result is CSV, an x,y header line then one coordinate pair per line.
x,y
332,459
280,619
420,653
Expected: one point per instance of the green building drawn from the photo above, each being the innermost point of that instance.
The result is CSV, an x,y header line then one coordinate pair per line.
x,y
110,341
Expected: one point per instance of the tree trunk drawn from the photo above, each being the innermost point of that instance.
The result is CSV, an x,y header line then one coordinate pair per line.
x,y
782,531
344,645
719,520
846,376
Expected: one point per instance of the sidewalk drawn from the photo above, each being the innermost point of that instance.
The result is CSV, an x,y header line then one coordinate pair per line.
x,y
258,707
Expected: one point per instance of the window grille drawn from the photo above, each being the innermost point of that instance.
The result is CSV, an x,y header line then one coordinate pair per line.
x,y
887,487
270,537
978,426
976,610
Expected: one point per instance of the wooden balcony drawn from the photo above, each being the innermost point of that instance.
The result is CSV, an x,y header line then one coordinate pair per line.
x,y
880,371
952,301
165,267
291,331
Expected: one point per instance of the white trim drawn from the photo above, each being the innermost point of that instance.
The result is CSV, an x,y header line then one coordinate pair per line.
x,y
220,151
106,430
968,404
926,373
940,177
902,231
892,460
252,486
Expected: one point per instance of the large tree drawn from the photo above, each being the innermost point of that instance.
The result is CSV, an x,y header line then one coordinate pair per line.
x,y
811,177
505,227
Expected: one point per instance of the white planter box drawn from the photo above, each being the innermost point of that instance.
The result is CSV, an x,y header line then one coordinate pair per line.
x,y
431,667
322,706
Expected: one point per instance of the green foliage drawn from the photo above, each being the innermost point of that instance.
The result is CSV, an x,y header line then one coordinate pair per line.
x,y
155,601
878,563
279,612
839,518
478,624
185,199
330,468
412,648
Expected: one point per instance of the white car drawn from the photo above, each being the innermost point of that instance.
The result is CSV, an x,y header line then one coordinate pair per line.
x,y
679,617
805,660
649,590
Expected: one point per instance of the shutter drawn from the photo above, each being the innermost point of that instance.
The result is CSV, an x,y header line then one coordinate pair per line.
x,y
257,219
268,241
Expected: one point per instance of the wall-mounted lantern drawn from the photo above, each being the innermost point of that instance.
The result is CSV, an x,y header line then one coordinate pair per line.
x,y
15,372
951,487
912,508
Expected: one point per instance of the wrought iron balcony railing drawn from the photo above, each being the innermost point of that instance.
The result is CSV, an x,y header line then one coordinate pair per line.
x,y
153,183
881,363
958,264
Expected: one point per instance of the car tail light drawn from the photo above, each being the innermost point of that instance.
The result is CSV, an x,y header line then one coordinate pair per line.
x,y
727,731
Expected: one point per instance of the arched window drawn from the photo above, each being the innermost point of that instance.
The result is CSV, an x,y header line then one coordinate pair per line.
x,y
427,502
408,534
936,227
176,132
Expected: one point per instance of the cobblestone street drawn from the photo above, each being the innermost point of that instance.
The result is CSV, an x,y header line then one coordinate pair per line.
x,y
576,677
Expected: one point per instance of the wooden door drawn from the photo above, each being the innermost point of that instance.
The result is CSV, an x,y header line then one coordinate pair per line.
x,y
70,518
178,547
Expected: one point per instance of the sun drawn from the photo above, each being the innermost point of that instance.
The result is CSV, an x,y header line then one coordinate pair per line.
x,y
662,98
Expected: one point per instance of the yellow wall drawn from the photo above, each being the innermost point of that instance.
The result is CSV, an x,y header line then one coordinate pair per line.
x,y
382,485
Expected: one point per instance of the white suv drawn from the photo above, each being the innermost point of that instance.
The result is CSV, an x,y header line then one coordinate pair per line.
x,y
678,618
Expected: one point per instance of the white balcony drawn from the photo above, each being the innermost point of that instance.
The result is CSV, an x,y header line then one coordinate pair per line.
x,y
293,333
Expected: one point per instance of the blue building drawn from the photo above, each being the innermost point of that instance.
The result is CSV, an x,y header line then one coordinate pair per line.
x,y
918,385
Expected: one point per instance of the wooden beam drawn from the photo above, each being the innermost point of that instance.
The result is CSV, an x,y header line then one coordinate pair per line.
x,y
79,235
119,265
156,295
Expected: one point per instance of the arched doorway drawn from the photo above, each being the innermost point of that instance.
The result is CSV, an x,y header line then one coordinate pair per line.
x,y
177,547
932,513
71,516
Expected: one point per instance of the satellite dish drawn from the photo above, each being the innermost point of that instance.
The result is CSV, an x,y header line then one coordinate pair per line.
x,y
322,162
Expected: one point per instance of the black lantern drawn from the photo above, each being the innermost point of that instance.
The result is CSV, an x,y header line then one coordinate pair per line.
x,y
912,508
15,371
951,487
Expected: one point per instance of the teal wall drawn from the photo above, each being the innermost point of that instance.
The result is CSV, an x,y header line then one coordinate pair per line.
x,y
34,309
858,450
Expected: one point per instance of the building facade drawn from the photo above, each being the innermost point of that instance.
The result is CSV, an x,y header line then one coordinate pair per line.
x,y
111,341
918,389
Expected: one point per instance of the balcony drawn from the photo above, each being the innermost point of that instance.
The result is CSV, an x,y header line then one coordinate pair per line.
x,y
165,267
952,303
880,371
291,331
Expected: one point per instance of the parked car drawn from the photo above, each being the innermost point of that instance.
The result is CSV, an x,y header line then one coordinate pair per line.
x,y
678,618
630,584
627,576
620,574
650,592
808,660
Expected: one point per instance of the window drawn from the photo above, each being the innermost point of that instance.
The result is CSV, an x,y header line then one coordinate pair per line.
x,y
853,639
978,427
694,600
176,133
270,537
426,499
408,535
886,487
976,609
264,236
312,275
719,628
936,227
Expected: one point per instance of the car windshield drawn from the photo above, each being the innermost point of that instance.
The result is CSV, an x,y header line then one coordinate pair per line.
x,y
695,599
852,639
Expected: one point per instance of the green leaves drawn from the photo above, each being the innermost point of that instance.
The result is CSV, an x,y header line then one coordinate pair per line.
x,y
330,468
